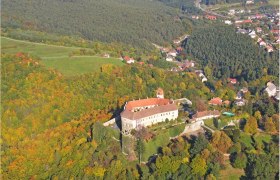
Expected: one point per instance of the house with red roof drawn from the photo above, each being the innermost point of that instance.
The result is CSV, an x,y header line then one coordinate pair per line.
x,y
128,60
146,112
275,31
232,80
216,101
226,102
210,17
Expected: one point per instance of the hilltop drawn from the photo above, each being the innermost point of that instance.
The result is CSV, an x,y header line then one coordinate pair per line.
x,y
132,22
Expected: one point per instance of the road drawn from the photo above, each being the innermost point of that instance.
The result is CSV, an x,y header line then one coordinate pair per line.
x,y
197,4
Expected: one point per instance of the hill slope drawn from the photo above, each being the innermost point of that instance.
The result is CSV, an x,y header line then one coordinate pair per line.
x,y
230,54
129,21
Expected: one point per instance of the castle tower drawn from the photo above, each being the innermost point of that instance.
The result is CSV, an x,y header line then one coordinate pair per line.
x,y
160,93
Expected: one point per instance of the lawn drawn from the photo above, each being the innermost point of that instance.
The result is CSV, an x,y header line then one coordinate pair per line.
x,y
11,46
57,57
78,65
161,139
230,173
152,146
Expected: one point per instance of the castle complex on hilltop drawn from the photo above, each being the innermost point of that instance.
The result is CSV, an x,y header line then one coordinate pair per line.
x,y
146,112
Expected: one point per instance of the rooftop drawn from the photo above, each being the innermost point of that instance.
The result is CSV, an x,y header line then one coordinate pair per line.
x,y
206,113
146,102
148,112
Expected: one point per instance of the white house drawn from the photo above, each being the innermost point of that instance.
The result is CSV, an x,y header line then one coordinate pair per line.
x,y
249,2
240,102
128,60
231,12
252,34
270,89
172,53
169,58
262,43
228,22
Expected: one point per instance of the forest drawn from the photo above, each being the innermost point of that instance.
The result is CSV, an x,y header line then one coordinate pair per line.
x,y
51,126
228,54
186,6
132,22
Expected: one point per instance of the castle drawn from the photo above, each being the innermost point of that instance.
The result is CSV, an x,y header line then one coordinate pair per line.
x,y
146,112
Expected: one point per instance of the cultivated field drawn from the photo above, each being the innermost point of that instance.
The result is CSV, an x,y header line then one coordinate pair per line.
x,y
57,57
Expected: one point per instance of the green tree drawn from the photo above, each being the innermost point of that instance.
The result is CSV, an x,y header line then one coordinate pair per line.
x,y
140,148
240,161
198,166
199,144
221,141
269,126
251,125
270,109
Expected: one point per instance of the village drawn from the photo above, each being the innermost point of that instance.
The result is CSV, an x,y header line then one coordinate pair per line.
x,y
150,116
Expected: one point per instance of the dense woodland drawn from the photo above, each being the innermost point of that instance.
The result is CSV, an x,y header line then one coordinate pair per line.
x,y
228,54
132,22
186,6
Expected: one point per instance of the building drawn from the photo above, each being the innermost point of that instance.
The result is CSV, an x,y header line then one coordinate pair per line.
x,y
106,55
226,102
269,48
210,17
242,31
173,53
252,34
240,102
128,60
259,30
169,58
249,2
160,93
199,116
146,112
231,12
244,90
232,80
216,101
228,22
239,95
270,89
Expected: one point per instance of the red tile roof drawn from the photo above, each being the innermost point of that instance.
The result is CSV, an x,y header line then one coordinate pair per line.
x,y
205,113
233,80
148,112
160,91
146,102
216,101
227,102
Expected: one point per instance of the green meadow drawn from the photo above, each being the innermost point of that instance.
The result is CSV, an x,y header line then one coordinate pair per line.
x,y
57,57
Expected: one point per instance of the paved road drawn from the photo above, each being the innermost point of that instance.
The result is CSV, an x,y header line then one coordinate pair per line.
x,y
206,127
197,4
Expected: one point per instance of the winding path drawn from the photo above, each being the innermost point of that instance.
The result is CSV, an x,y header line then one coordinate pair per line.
x,y
197,4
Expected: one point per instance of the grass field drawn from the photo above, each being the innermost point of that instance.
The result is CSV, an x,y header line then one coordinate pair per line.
x,y
79,65
230,173
57,57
